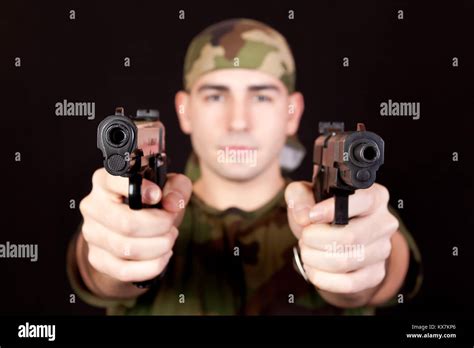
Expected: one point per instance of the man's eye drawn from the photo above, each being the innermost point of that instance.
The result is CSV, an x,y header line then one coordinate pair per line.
x,y
262,98
214,97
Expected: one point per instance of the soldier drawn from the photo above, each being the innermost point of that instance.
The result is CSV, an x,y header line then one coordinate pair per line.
x,y
223,242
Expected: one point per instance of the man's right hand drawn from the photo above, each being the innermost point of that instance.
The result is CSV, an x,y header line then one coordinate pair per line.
x,y
126,245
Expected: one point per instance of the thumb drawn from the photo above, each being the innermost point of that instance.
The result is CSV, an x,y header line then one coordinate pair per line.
x,y
176,195
299,199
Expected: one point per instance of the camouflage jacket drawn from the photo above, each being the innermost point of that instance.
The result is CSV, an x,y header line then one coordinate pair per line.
x,y
234,262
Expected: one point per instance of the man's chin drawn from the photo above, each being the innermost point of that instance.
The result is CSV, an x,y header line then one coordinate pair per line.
x,y
238,172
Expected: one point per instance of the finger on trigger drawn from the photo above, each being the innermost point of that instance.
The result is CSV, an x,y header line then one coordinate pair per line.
x,y
177,192
151,192
360,203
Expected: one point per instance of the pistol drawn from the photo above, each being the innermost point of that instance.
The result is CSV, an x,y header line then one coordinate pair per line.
x,y
134,147
344,162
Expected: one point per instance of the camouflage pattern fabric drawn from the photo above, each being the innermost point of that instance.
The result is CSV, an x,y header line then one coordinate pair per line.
x,y
240,43
234,262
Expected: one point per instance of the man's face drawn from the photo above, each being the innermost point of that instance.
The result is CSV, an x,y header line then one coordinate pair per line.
x,y
238,120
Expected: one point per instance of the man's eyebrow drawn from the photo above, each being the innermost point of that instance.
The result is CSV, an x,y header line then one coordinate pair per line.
x,y
252,88
222,88
256,88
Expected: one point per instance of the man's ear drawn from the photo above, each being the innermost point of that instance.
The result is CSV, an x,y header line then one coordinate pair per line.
x,y
181,101
295,111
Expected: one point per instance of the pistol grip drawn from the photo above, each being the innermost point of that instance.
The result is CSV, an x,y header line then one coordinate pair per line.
x,y
156,173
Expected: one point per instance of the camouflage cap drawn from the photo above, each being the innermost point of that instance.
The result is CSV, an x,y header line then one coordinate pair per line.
x,y
240,43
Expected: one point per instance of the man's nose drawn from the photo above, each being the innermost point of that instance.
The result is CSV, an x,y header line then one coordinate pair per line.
x,y
239,118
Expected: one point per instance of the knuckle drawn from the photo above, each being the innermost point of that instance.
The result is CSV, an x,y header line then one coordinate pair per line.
x,y
112,244
351,285
387,249
119,247
301,242
162,219
304,252
370,197
155,267
97,177
383,194
306,235
380,275
159,266
167,222
167,243
166,225
84,206
171,240
303,237
342,264
314,280
393,223
93,259
174,232
123,274
349,238
312,275
129,252
86,231
127,225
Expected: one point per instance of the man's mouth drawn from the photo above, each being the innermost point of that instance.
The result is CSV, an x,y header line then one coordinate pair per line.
x,y
237,147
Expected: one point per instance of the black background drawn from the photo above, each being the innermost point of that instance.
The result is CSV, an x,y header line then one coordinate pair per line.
x,y
82,60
